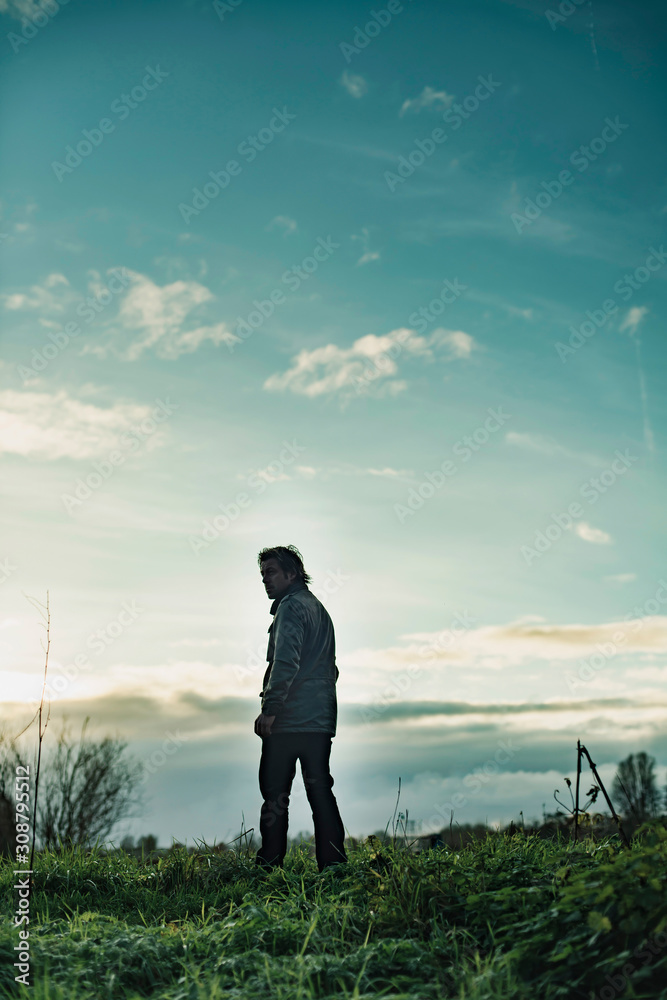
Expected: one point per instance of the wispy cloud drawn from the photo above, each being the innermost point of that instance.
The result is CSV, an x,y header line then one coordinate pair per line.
x,y
354,84
332,369
429,98
20,8
154,317
548,446
283,222
41,297
459,343
508,645
368,255
633,318
55,425
590,534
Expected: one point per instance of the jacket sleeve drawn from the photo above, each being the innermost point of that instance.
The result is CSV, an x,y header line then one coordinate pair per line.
x,y
288,634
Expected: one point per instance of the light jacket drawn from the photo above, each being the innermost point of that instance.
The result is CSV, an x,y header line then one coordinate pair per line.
x,y
299,685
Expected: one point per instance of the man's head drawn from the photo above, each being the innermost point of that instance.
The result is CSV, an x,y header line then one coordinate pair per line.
x,y
280,566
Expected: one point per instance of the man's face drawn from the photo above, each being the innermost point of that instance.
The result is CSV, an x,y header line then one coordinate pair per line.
x,y
275,581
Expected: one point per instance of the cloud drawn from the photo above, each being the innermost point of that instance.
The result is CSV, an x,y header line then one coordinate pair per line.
x,y
633,318
497,647
284,222
388,471
355,85
594,535
428,98
355,713
54,425
368,255
547,446
149,317
622,577
332,369
460,344
152,317
21,8
38,297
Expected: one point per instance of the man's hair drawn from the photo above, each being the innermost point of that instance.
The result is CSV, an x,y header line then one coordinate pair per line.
x,y
289,559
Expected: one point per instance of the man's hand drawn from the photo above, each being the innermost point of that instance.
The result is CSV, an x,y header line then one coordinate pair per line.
x,y
263,724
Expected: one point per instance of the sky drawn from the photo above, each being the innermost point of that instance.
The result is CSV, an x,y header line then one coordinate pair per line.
x,y
385,283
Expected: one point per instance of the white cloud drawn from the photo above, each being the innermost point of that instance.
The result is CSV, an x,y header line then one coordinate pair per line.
x,y
38,296
633,318
355,85
368,255
594,535
521,642
460,344
388,471
153,316
622,577
284,222
427,99
54,425
547,446
20,8
526,313
333,369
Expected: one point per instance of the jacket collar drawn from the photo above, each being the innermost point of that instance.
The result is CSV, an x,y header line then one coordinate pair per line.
x,y
296,585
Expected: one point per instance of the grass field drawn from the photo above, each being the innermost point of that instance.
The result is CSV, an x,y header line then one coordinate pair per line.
x,y
508,916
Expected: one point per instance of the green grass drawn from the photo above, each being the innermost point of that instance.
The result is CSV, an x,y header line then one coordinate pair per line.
x,y
506,917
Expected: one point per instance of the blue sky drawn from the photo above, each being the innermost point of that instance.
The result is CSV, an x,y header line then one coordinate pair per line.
x,y
413,327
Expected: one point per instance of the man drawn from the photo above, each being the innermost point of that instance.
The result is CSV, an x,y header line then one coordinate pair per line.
x,y
299,710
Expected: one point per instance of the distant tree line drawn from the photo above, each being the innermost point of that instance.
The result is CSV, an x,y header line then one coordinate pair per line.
x,y
89,786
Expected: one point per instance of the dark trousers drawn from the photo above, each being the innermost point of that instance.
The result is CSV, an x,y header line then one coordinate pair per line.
x,y
277,767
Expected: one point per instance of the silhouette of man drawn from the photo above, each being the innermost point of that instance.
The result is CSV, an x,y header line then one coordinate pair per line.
x,y
299,710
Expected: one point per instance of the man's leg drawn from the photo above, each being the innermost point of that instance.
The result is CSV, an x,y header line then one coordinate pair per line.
x,y
329,829
277,768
